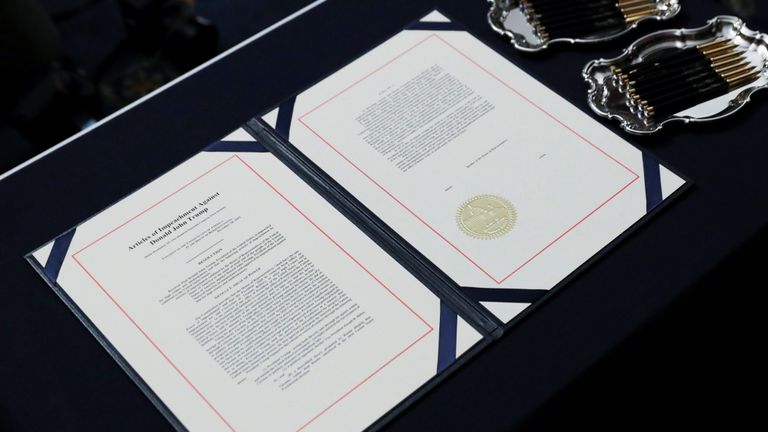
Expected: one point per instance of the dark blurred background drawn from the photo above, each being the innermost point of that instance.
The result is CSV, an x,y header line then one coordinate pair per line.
x,y
67,63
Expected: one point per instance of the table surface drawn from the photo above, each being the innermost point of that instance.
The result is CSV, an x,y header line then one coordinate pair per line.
x,y
55,375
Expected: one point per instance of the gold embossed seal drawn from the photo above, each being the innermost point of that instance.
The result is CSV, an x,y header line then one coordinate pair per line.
x,y
486,217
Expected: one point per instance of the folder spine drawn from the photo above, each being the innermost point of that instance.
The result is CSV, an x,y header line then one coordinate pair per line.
x,y
406,255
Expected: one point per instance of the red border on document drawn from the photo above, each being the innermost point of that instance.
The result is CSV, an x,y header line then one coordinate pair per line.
x,y
173,365
518,93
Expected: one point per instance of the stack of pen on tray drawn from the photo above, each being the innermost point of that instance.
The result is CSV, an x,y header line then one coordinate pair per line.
x,y
684,78
554,19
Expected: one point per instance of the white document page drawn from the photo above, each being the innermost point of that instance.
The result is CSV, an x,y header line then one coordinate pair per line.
x,y
246,302
495,178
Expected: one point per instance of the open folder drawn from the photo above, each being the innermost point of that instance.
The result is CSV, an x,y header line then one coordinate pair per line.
x,y
329,261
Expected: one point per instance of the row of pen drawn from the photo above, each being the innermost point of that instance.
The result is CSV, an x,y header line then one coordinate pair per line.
x,y
686,75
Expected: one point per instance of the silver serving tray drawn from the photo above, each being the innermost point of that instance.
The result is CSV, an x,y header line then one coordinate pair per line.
x,y
507,17
607,98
